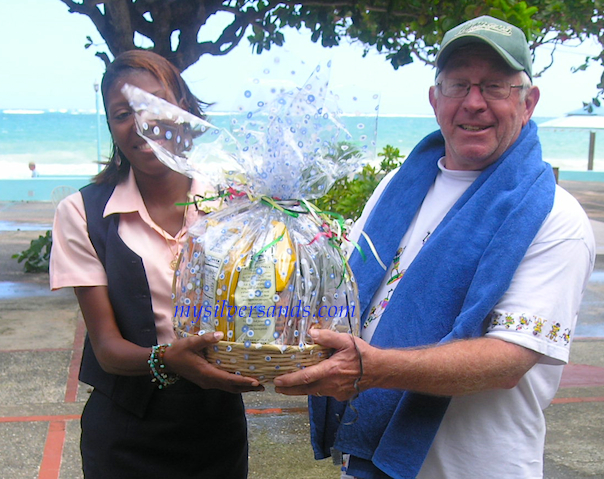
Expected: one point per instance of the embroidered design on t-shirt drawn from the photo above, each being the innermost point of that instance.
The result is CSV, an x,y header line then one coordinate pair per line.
x,y
531,324
395,276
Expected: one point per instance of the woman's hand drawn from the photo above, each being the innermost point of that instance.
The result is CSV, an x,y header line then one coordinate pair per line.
x,y
119,356
186,358
335,376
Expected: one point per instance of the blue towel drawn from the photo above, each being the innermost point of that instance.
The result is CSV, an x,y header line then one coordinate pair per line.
x,y
447,293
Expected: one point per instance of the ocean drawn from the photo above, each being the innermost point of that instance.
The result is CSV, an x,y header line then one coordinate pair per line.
x,y
65,143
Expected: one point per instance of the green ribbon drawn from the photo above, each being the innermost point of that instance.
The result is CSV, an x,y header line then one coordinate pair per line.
x,y
271,244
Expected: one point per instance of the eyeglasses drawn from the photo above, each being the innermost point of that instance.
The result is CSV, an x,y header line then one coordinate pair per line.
x,y
490,89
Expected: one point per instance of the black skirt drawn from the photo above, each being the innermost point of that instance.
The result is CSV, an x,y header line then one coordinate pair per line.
x,y
187,432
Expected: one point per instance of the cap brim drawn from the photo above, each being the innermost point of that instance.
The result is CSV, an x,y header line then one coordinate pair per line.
x,y
467,39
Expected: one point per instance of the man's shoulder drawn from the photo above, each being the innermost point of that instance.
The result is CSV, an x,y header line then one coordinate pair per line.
x,y
566,204
567,219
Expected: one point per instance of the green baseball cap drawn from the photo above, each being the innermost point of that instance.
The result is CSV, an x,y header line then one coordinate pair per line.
x,y
507,40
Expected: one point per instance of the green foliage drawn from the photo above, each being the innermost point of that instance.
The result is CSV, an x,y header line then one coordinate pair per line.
x,y
402,30
348,196
37,256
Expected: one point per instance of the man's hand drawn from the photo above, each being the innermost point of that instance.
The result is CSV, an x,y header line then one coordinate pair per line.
x,y
335,376
451,369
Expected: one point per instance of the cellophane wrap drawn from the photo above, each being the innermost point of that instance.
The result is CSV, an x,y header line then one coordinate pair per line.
x,y
266,266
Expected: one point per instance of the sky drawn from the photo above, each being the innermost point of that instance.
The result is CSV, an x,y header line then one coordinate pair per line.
x,y
45,66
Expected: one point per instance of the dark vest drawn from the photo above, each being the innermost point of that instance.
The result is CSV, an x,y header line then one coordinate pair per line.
x,y
130,298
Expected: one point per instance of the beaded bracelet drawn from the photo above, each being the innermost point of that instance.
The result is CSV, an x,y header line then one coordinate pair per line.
x,y
156,363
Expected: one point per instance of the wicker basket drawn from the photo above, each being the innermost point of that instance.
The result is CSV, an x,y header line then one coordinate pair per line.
x,y
264,361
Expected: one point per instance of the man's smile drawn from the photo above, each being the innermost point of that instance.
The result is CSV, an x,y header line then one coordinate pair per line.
x,y
473,127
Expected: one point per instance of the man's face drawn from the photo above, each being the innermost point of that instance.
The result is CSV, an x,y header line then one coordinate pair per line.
x,y
477,132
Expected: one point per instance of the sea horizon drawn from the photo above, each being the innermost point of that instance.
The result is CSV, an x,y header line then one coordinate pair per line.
x,y
40,111
66,142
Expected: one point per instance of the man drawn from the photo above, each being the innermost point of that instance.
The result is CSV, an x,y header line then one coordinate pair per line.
x,y
488,262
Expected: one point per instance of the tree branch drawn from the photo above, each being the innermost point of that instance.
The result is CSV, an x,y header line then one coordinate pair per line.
x,y
398,28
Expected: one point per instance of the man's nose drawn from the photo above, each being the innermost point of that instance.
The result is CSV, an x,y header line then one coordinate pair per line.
x,y
474,99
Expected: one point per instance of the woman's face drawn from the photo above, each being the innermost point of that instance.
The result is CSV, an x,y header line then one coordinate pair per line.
x,y
122,125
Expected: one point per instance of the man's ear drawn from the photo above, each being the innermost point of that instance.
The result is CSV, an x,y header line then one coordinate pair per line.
x,y
530,102
433,99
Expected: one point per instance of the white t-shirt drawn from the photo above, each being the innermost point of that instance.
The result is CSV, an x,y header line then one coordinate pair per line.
x,y
446,190
501,433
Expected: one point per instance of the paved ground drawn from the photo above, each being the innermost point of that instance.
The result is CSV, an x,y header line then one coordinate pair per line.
x,y
41,400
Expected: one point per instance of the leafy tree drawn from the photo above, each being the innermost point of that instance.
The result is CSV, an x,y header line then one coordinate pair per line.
x,y
400,29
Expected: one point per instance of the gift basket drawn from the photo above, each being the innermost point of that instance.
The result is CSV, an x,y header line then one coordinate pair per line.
x,y
265,266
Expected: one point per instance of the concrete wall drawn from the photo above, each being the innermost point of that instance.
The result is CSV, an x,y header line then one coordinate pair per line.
x,y
38,189
581,175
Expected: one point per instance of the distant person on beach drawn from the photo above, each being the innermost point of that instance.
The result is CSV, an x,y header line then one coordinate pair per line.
x,y
32,168
158,408
468,325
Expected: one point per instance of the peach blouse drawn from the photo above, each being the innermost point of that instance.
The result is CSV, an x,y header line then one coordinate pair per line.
x,y
74,261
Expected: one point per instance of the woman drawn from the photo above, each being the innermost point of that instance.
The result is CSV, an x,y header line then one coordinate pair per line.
x,y
158,408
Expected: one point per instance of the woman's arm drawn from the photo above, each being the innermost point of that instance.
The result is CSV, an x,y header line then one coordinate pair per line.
x,y
117,355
